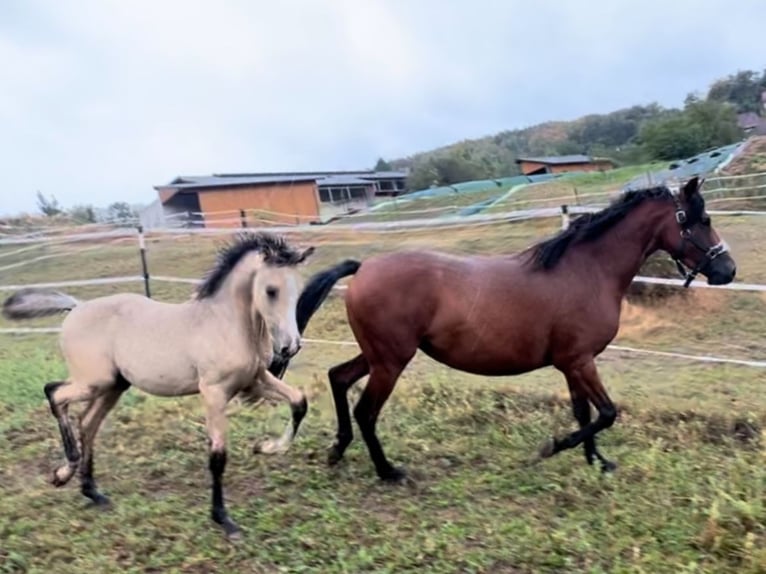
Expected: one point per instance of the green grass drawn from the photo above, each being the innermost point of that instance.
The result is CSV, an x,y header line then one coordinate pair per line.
x,y
688,496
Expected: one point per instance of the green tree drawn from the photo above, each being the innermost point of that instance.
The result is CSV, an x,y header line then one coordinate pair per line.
x,y
83,214
703,124
121,213
382,165
48,207
742,89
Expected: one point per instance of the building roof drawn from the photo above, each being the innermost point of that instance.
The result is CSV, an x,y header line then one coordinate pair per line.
x,y
342,181
748,120
557,159
212,181
323,178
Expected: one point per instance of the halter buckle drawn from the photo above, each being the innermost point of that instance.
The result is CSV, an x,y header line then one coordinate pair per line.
x,y
681,216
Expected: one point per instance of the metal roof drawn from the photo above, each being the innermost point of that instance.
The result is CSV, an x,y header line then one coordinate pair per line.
x,y
198,182
206,181
557,159
342,180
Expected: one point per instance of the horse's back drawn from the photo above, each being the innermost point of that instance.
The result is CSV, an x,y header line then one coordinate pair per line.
x,y
109,335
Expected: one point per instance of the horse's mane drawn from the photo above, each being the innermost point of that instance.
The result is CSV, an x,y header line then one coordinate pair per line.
x,y
275,250
590,226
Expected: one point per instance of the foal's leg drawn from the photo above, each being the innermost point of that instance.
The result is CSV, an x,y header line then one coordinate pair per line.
x,y
342,378
60,394
275,389
89,426
216,398
583,377
582,414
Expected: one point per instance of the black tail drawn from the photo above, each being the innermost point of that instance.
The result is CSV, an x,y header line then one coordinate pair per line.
x,y
314,293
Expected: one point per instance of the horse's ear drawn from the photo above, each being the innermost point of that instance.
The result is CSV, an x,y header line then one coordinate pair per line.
x,y
692,186
305,255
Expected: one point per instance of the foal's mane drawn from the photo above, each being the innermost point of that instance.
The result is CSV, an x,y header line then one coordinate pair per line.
x,y
591,226
275,249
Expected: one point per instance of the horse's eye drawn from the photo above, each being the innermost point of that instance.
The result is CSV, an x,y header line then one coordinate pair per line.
x,y
272,292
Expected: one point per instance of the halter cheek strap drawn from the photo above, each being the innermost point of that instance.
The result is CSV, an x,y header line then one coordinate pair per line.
x,y
686,235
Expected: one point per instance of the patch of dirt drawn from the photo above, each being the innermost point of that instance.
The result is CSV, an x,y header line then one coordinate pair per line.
x,y
637,321
751,159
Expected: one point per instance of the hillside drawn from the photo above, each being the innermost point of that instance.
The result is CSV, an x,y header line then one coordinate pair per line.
x,y
630,136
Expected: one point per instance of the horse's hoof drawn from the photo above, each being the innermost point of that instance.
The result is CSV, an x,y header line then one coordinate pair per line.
x,y
232,531
607,466
334,455
548,448
395,476
270,446
100,501
62,475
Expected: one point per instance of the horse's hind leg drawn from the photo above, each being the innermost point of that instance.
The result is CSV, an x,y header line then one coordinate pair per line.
x,y
275,389
342,378
89,427
60,394
582,414
383,377
583,378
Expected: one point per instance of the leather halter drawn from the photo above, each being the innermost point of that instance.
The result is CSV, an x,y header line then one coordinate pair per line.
x,y
710,253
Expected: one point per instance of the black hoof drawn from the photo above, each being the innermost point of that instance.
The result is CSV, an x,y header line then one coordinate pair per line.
x,y
607,466
98,500
394,476
334,455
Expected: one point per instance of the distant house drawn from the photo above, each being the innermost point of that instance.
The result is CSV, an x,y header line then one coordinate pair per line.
x,y
295,197
562,164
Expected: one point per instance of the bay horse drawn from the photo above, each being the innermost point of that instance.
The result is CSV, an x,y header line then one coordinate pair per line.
x,y
556,303
219,344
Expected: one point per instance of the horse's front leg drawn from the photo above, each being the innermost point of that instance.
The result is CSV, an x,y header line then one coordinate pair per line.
x,y
272,388
584,386
215,398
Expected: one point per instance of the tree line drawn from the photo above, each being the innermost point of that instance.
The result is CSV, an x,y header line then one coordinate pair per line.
x,y
634,135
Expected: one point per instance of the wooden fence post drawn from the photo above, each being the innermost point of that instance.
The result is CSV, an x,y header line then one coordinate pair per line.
x,y
144,266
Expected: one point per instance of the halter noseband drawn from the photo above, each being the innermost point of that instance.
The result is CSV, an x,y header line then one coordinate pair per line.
x,y
686,235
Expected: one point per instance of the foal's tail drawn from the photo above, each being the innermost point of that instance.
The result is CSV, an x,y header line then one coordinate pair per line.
x,y
314,293
31,303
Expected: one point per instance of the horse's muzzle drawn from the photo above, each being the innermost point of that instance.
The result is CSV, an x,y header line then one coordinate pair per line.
x,y
289,351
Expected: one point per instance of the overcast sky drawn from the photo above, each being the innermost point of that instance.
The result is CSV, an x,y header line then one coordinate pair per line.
x,y
100,100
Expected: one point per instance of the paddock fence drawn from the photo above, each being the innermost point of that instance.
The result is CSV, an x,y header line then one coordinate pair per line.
x,y
22,247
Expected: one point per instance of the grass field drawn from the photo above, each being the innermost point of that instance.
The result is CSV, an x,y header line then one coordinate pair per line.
x,y
689,494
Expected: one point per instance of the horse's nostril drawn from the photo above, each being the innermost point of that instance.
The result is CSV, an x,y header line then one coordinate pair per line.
x,y
285,351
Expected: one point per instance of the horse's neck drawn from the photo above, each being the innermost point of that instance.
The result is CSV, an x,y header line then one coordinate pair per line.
x,y
234,300
621,251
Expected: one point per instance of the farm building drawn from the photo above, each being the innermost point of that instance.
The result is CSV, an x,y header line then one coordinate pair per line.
x,y
285,197
562,164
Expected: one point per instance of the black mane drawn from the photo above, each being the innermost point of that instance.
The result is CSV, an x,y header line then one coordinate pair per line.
x,y
590,226
275,250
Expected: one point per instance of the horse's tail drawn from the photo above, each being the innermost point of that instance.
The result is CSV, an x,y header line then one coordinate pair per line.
x,y
313,295
31,303
319,287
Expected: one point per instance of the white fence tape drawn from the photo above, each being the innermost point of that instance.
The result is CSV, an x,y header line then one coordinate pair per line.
x,y
619,348
372,226
74,283
753,287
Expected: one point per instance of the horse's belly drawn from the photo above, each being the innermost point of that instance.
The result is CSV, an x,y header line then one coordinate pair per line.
x,y
484,359
166,380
